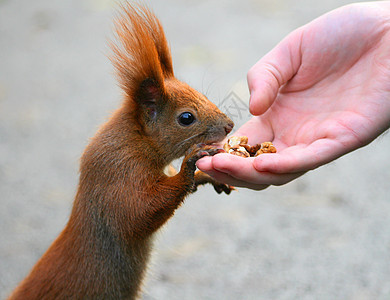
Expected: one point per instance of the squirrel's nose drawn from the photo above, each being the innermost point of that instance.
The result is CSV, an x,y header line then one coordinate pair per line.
x,y
229,127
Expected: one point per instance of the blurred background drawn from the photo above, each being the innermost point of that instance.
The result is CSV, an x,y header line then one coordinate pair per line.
x,y
323,236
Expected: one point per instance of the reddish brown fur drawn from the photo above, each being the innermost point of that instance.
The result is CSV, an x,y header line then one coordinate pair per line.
x,y
123,195
143,51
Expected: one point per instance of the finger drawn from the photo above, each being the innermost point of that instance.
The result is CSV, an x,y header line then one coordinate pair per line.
x,y
300,158
206,165
239,171
225,178
271,72
257,129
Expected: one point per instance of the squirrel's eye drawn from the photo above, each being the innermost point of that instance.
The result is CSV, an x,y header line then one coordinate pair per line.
x,y
186,118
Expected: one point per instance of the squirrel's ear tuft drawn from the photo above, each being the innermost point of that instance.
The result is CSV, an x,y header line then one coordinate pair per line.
x,y
141,52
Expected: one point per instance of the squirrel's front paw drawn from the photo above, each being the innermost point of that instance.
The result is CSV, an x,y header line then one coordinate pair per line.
x,y
197,152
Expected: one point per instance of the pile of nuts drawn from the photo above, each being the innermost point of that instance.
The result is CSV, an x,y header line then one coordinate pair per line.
x,y
238,145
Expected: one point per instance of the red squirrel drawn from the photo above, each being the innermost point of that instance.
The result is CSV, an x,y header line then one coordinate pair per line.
x,y
123,194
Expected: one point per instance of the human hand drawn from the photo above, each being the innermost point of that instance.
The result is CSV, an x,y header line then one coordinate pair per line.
x,y
322,92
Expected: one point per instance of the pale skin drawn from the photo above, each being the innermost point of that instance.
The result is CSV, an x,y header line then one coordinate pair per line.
x,y
322,92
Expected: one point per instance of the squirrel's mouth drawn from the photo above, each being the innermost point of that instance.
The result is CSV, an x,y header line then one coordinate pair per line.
x,y
214,141
217,134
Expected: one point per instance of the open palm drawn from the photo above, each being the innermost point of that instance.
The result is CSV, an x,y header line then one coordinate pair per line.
x,y
321,93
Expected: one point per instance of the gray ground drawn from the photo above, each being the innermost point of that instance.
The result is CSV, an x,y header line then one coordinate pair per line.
x,y
324,236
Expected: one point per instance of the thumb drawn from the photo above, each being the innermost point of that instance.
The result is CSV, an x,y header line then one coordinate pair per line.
x,y
274,70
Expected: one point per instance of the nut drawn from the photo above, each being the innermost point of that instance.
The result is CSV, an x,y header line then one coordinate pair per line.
x,y
266,147
235,141
238,145
239,151
252,150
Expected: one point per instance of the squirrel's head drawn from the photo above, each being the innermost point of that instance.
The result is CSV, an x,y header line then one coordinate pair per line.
x,y
171,114
177,117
